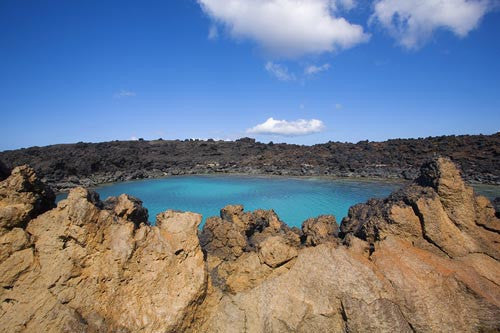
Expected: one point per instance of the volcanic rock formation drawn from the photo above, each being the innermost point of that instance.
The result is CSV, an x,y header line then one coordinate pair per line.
x,y
89,164
4,171
425,259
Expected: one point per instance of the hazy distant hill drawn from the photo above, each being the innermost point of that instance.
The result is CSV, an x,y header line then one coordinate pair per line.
x,y
90,164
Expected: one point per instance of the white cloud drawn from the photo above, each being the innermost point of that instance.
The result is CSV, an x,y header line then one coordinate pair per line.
x,y
279,71
347,4
313,69
124,93
213,33
134,138
412,22
288,28
288,128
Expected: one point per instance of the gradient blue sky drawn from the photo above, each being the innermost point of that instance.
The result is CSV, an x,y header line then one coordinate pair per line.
x,y
111,70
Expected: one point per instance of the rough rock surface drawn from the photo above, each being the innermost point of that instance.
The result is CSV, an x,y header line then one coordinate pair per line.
x,y
90,164
496,205
80,268
23,197
127,207
319,230
425,259
4,171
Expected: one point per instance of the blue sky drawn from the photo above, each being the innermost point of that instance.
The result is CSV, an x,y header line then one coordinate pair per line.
x,y
349,70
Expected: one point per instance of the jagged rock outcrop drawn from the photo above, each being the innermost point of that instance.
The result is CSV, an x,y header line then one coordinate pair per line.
x,y
319,230
127,207
437,212
23,197
243,248
425,259
80,268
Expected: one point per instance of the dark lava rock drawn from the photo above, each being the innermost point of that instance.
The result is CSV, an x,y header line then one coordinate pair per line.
x,y
496,204
4,171
91,164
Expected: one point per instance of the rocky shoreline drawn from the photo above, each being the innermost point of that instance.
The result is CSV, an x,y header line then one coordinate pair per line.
x,y
424,259
90,164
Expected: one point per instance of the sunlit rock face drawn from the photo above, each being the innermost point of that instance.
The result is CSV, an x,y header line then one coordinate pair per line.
x,y
79,267
425,259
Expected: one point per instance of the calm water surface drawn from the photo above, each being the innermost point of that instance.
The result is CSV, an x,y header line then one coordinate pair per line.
x,y
294,200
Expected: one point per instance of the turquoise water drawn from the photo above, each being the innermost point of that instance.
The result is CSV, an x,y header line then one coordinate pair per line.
x,y
294,200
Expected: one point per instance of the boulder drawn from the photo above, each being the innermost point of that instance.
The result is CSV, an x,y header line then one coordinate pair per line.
x,y
237,231
274,251
319,230
23,197
128,207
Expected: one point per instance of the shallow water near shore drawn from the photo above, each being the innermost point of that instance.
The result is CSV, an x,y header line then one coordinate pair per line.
x,y
293,199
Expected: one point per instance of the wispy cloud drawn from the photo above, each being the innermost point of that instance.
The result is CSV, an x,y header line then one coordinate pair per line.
x,y
279,71
288,128
339,106
313,69
288,28
124,93
412,22
213,32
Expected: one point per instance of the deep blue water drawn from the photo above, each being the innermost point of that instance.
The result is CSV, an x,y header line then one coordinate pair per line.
x,y
294,200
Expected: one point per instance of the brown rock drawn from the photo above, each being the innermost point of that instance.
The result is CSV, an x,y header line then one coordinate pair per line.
x,y
318,230
425,259
415,261
22,197
236,232
274,251
92,270
128,207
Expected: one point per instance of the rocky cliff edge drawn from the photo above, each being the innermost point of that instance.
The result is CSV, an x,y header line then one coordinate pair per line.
x,y
425,259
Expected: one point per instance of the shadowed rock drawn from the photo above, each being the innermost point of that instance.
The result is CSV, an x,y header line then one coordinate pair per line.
x,y
127,207
319,230
496,205
4,171
236,231
437,212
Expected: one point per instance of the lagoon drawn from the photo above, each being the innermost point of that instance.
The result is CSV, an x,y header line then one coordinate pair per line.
x,y
293,199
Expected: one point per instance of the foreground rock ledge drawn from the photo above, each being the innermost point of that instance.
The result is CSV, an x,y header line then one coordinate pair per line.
x,y
425,259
